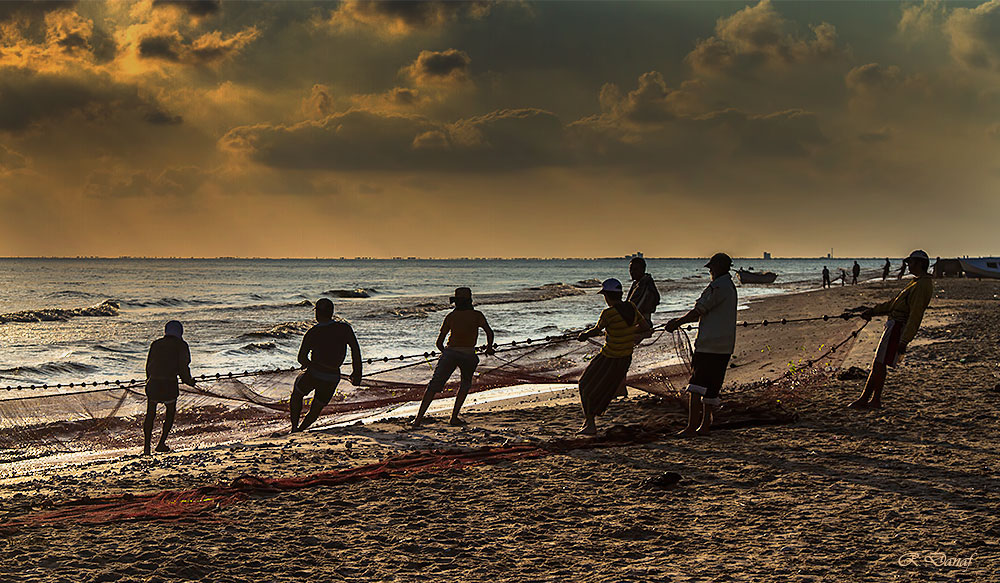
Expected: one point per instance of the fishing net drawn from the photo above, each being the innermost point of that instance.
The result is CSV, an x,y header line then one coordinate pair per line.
x,y
104,417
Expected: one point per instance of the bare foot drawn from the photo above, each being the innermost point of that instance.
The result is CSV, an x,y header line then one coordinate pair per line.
x,y
703,431
145,452
875,404
688,432
457,422
859,404
162,448
587,429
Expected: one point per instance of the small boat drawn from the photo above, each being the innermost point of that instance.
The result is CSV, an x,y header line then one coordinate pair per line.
x,y
988,267
751,276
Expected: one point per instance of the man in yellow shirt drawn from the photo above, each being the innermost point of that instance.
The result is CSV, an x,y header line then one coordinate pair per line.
x,y
905,312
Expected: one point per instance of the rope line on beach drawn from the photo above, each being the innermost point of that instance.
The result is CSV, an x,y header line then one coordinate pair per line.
x,y
109,385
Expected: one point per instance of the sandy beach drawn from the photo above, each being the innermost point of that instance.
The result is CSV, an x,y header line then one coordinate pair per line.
x,y
908,492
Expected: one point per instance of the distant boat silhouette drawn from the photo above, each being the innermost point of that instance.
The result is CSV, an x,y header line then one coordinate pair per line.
x,y
751,276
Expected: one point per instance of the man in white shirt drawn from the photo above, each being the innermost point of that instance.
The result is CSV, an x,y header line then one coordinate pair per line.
x,y
715,312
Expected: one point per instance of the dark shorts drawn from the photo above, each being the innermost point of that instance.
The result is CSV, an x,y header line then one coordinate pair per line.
x,y
450,360
305,383
162,390
708,372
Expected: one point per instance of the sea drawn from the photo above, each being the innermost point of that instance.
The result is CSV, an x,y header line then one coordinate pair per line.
x,y
74,320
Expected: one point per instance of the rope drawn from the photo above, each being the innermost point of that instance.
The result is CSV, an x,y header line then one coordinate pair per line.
x,y
503,347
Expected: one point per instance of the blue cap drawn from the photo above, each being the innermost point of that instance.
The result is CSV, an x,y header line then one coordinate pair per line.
x,y
611,285
174,328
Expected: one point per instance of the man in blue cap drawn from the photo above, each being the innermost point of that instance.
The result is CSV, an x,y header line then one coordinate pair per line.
x,y
715,312
169,357
621,322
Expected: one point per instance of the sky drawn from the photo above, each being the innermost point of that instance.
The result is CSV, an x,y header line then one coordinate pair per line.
x,y
499,129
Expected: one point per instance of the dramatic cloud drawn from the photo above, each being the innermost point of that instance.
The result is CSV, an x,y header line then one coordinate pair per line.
x,y
12,9
209,48
439,67
395,18
756,37
975,35
192,7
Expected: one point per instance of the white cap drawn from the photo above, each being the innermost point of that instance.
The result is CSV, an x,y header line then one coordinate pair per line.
x,y
611,285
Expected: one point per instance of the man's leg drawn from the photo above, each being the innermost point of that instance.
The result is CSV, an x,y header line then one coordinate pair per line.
x,y
876,379
295,407
168,423
468,370
445,366
320,400
694,415
147,425
877,385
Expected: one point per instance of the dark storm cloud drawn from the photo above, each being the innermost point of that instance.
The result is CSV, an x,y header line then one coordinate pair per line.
x,y
32,9
207,49
192,7
28,98
400,16
166,47
442,63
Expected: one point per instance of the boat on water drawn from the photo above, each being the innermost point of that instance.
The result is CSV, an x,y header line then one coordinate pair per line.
x,y
981,267
751,276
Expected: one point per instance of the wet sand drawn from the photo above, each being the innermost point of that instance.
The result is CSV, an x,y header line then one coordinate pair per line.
x,y
839,496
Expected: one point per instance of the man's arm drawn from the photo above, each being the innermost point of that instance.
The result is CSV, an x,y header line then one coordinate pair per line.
x,y
595,331
304,352
185,366
490,351
445,329
920,298
355,359
693,316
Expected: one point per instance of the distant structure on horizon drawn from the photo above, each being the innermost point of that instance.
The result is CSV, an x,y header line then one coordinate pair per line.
x,y
767,255
636,255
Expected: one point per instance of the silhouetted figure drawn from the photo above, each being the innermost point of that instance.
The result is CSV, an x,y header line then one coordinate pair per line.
x,y
642,293
855,272
885,269
826,277
902,270
905,312
715,311
461,328
323,350
169,357
621,322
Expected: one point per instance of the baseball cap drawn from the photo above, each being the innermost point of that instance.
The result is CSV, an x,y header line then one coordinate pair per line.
x,y
461,293
611,285
720,259
918,254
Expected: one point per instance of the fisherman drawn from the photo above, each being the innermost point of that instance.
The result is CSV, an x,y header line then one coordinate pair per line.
x,y
843,276
826,277
169,357
905,312
902,270
323,350
885,269
461,328
642,293
622,322
855,271
715,311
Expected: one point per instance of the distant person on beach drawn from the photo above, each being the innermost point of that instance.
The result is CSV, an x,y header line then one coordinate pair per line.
x,y
715,311
461,328
323,350
905,312
902,270
843,276
885,269
169,357
826,277
642,293
855,271
621,323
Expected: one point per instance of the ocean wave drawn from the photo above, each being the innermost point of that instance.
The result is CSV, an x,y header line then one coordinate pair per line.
x,y
283,330
259,347
71,293
48,369
592,282
104,309
359,293
164,303
549,291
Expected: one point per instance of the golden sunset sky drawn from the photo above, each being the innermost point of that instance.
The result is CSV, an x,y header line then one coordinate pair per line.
x,y
304,129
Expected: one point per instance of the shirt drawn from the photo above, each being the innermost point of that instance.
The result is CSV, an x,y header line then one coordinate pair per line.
x,y
908,306
717,325
324,348
644,295
619,339
464,326
169,357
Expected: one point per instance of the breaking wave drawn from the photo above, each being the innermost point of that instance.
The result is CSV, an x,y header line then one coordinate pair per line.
x,y
259,347
283,330
105,308
359,293
48,369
